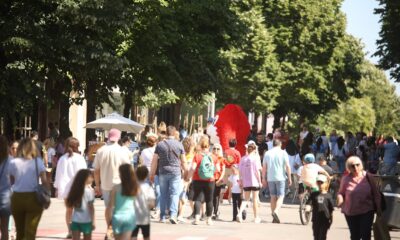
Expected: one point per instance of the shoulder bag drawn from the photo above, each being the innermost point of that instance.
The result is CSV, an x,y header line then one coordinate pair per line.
x,y
43,195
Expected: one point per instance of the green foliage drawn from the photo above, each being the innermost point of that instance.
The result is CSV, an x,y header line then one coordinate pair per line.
x,y
318,60
377,109
389,42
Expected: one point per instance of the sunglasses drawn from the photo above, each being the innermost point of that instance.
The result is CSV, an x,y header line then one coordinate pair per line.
x,y
355,165
216,148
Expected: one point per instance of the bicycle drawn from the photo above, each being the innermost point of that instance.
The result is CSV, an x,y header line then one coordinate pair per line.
x,y
305,209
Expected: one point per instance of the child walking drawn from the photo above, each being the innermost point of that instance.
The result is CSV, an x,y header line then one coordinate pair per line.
x,y
120,212
234,185
80,199
145,201
322,209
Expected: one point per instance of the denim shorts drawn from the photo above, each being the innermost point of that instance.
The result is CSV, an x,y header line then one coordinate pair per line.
x,y
277,188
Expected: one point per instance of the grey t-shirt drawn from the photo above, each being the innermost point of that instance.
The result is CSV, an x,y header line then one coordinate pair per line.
x,y
82,214
169,152
142,210
24,172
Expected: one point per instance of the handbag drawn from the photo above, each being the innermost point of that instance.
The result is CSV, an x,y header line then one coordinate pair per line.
x,y
43,195
380,229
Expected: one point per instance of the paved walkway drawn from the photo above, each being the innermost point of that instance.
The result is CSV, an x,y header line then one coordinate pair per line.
x,y
52,226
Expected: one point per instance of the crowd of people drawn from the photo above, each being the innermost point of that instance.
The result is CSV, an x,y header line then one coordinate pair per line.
x,y
171,168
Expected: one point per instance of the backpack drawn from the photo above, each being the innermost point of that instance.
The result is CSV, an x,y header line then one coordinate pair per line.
x,y
206,168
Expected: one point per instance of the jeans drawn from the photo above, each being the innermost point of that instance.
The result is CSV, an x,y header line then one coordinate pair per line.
x,y
236,203
157,190
170,188
341,162
207,188
360,225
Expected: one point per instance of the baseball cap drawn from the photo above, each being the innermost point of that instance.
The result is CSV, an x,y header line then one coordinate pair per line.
x,y
251,142
309,158
322,178
114,135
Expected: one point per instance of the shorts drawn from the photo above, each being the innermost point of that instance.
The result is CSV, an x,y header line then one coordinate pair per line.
x,y
123,223
248,189
5,204
85,228
106,196
145,231
277,188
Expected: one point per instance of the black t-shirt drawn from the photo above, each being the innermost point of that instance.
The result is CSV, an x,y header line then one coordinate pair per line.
x,y
262,148
322,204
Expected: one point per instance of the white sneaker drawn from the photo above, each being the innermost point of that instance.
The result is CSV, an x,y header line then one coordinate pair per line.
x,y
239,218
181,219
196,220
257,220
209,221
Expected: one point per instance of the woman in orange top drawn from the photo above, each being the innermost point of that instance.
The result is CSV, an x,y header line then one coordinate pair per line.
x,y
219,174
201,184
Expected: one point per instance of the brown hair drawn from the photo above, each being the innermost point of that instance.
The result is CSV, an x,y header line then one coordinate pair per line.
x,y
27,149
151,141
75,195
129,182
142,172
71,146
171,130
188,144
204,142
3,148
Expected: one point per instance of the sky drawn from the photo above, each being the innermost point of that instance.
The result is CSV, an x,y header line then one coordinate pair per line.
x,y
364,24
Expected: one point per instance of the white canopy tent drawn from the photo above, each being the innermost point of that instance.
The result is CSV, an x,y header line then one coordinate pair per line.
x,y
114,120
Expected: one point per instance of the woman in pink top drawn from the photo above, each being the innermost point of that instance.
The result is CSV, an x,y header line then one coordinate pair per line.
x,y
250,179
356,197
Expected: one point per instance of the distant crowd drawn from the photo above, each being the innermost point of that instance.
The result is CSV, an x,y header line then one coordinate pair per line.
x,y
155,176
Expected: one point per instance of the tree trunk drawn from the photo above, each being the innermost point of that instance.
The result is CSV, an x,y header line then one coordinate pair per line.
x,y
65,132
277,120
91,110
128,104
176,109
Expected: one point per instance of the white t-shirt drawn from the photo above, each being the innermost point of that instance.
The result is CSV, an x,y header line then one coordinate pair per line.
x,y
108,159
51,152
143,199
234,179
67,167
82,214
309,174
147,156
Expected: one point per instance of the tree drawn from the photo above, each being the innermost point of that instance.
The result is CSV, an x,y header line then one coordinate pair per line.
x,y
319,62
389,42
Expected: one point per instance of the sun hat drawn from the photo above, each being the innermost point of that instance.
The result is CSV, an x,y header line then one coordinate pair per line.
x,y
309,158
251,142
322,178
114,135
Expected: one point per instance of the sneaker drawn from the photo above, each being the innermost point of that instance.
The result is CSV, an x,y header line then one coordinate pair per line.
x,y
244,215
276,218
173,220
209,221
181,219
196,220
155,215
239,218
257,220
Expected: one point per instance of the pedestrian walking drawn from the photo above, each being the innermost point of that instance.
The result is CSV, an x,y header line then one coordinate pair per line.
x,y
68,166
250,179
169,160
106,163
234,184
322,204
24,172
219,178
120,212
275,171
81,200
145,201
5,188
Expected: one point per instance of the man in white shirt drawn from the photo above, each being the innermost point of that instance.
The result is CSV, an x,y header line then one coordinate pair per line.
x,y
106,165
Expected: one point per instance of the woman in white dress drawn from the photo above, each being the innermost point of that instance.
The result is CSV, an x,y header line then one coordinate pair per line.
x,y
68,165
